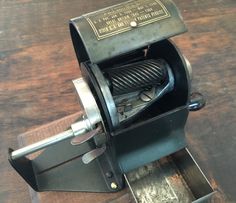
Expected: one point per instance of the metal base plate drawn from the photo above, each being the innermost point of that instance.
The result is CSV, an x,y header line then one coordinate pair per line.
x,y
60,168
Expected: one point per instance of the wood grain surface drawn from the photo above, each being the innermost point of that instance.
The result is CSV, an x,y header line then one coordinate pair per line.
x,y
37,64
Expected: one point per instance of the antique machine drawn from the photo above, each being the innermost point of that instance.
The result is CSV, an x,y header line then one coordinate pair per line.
x,y
136,95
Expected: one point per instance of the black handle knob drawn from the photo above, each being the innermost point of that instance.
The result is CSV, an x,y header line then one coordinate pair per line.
x,y
197,101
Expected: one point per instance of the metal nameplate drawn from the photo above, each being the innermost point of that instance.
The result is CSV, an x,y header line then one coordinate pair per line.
x,y
123,17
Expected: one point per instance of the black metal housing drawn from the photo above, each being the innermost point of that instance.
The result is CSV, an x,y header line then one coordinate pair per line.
x,y
165,119
154,133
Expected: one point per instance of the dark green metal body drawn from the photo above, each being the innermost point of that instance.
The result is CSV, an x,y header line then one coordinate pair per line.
x,y
88,47
155,133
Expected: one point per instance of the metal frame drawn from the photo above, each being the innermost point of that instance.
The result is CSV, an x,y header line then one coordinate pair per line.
x,y
67,172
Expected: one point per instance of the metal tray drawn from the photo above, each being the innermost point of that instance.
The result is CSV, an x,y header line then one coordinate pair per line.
x,y
176,178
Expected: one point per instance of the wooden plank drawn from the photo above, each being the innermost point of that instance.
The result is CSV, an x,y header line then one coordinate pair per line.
x,y
37,63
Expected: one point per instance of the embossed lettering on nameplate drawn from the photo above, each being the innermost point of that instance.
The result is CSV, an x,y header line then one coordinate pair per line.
x,y
125,16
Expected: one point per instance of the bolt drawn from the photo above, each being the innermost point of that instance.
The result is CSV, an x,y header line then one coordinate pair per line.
x,y
133,24
114,186
120,109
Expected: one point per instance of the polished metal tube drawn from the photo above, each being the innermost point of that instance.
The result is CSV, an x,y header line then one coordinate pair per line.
x,y
81,128
41,144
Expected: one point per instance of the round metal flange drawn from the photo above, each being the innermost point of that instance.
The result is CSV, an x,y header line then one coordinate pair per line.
x,y
189,68
106,95
88,102
98,84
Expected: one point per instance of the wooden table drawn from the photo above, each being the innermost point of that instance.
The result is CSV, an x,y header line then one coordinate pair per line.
x,y
37,64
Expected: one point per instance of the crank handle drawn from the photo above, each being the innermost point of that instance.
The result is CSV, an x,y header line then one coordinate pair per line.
x,y
79,128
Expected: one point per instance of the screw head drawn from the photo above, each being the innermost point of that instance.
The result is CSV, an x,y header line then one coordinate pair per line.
x,y
147,96
144,97
114,186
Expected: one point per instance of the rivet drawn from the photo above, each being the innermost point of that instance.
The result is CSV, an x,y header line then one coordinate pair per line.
x,y
109,174
114,186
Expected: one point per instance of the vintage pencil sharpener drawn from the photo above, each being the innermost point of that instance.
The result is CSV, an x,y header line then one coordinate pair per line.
x,y
135,93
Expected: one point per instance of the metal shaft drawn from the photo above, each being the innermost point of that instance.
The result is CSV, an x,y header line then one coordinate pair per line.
x,y
81,128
